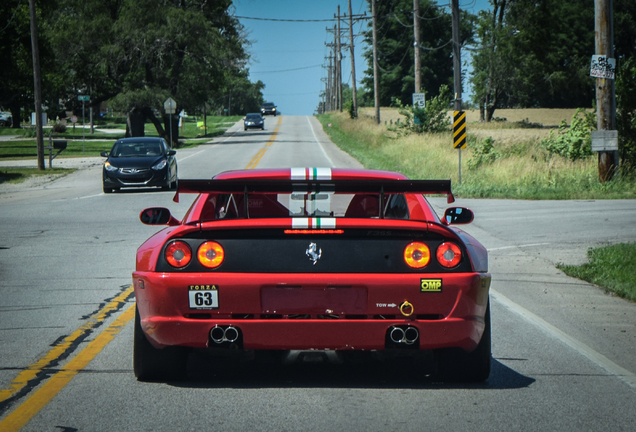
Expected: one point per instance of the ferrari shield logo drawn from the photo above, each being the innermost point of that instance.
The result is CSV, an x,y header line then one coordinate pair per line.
x,y
313,252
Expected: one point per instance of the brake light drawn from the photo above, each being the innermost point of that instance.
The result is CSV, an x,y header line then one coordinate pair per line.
x,y
211,254
449,254
417,255
178,254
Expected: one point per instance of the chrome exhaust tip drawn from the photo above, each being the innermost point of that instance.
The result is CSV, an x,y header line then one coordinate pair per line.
x,y
397,334
411,334
231,334
217,334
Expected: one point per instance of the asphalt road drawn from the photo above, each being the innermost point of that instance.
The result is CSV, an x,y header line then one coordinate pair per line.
x,y
564,351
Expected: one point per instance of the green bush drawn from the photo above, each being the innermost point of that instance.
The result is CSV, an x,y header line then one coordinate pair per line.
x,y
574,141
484,153
626,114
432,118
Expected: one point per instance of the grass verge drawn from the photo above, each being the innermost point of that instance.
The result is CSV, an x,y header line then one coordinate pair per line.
x,y
517,166
93,144
18,175
610,267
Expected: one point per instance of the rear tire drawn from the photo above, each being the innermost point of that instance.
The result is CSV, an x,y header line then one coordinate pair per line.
x,y
152,364
455,365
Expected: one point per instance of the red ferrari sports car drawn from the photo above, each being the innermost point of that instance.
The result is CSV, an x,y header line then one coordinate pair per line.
x,y
312,259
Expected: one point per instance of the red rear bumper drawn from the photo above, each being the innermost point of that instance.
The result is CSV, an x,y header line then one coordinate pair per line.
x,y
314,311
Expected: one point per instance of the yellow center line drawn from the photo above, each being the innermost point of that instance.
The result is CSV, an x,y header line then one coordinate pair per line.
x,y
256,159
25,412
29,408
33,370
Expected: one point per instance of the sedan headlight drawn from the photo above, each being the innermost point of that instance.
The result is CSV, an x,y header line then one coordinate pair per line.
x,y
109,167
160,165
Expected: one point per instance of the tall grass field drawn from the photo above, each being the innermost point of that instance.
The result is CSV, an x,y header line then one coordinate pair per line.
x,y
503,159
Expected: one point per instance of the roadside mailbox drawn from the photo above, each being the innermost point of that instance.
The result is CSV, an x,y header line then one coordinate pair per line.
x,y
58,145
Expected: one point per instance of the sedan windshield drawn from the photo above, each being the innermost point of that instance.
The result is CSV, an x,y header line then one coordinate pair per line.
x,y
137,149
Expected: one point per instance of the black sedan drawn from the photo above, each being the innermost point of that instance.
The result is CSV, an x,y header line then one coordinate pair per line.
x,y
140,162
268,108
253,121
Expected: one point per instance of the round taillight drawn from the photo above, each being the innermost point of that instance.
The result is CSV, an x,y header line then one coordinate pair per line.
x,y
211,254
178,254
449,254
417,255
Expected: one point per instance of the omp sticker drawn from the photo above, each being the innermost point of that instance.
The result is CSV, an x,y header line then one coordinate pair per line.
x,y
431,285
311,173
314,223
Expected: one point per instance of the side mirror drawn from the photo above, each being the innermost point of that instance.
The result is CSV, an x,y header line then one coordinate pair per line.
x,y
457,216
157,216
172,152
104,154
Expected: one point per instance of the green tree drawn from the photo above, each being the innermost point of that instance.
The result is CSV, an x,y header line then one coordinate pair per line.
x,y
396,51
16,73
626,113
246,97
534,54
139,52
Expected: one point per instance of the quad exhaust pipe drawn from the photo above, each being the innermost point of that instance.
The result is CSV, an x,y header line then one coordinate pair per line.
x,y
404,335
220,334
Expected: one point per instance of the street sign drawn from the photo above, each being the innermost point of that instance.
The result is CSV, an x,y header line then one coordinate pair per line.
x,y
459,129
603,67
84,98
419,100
604,140
170,106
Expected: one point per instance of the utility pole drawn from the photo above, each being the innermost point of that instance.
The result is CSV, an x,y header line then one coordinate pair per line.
x,y
330,84
353,64
605,91
37,90
417,55
457,70
376,72
339,63
457,58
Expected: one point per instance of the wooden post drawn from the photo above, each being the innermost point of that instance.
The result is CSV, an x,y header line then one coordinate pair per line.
x,y
605,92
376,71
417,54
457,69
37,90
353,65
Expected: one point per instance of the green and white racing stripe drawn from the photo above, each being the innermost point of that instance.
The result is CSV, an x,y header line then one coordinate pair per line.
x,y
314,223
311,173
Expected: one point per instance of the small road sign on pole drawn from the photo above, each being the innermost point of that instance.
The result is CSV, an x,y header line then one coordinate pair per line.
x,y
459,129
84,99
459,136
170,106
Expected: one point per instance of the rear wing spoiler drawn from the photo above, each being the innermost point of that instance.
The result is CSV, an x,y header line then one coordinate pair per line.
x,y
379,186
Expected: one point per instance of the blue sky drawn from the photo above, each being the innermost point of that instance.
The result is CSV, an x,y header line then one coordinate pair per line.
x,y
288,56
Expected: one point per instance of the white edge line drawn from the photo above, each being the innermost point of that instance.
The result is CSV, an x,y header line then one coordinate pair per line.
x,y
518,246
188,157
628,377
320,145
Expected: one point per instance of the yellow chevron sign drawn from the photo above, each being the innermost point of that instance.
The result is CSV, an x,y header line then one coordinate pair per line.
x,y
459,129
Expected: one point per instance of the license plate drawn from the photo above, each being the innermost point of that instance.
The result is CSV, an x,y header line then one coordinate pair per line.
x,y
203,296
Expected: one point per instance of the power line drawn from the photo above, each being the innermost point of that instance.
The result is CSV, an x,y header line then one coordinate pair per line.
x,y
288,70
286,20
12,16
